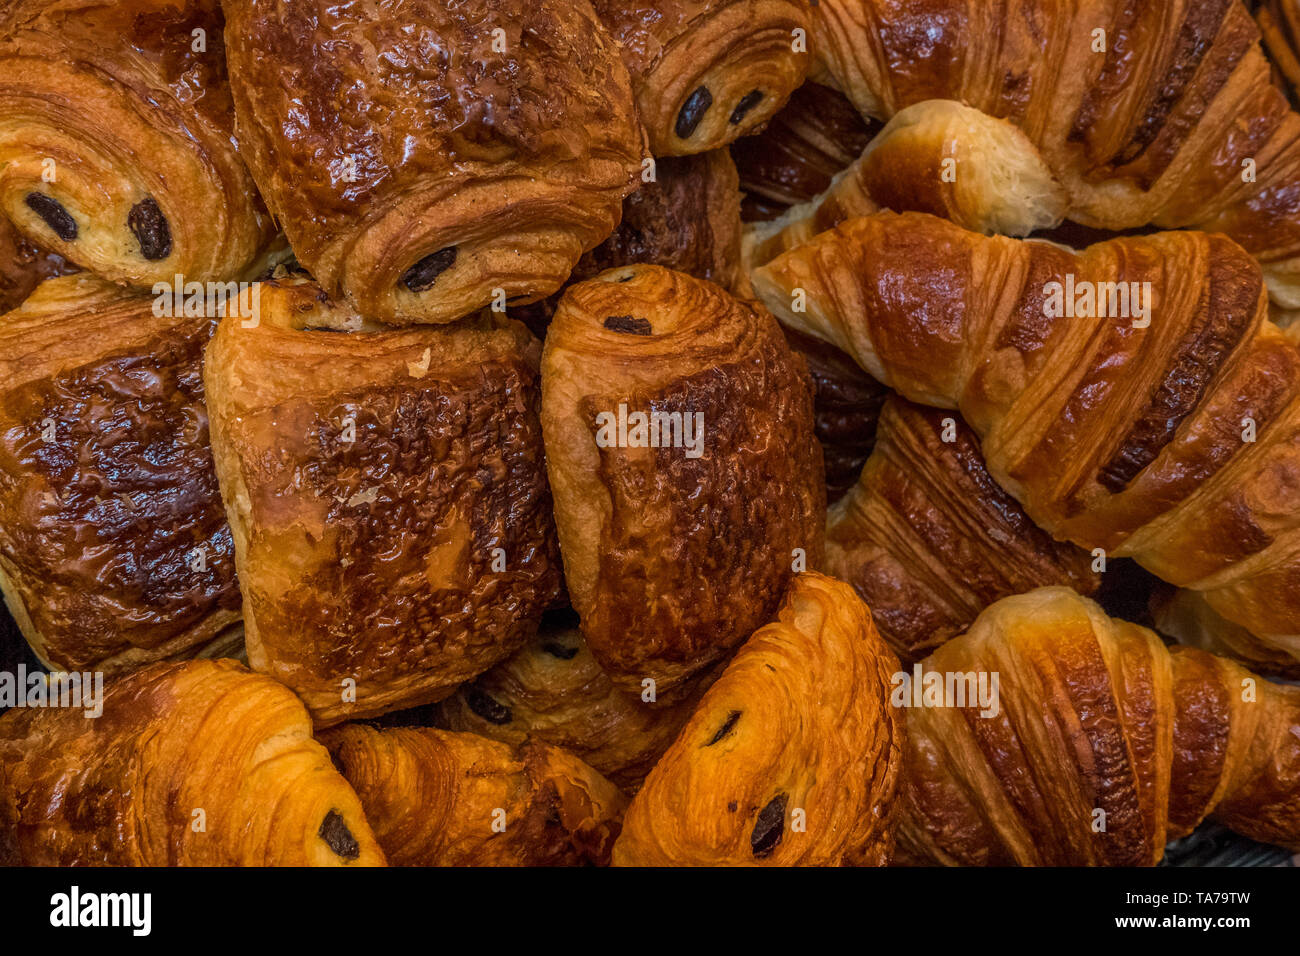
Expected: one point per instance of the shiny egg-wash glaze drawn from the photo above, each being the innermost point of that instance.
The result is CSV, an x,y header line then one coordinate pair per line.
x,y
1094,714
434,797
415,165
928,539
116,139
409,554
1131,439
175,739
671,561
1161,127
107,485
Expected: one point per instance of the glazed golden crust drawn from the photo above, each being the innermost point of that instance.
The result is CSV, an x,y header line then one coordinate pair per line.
x,y
1176,444
797,154
1186,616
126,788
928,539
674,555
1157,138
145,182
114,547
687,218
794,755
1104,745
553,691
388,499
24,266
707,71
437,798
415,165
1279,27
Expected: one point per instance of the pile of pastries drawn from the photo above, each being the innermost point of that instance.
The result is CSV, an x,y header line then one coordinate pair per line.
x,y
649,432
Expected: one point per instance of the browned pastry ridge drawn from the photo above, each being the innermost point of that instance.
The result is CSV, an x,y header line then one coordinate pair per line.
x,y
200,763
1172,438
24,266
1168,116
388,499
114,547
430,159
928,539
799,151
1279,27
687,217
438,798
707,71
1104,744
116,145
688,483
553,691
794,756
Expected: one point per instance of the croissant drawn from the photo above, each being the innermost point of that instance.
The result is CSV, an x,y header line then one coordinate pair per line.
x,y
114,547
794,756
1279,27
117,148
707,71
686,218
688,482
386,490
1164,427
438,798
799,151
24,266
846,406
928,539
939,157
1096,746
1136,108
198,763
553,691
1186,616
429,159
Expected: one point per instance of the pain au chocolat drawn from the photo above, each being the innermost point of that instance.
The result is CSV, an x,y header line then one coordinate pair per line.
x,y
116,149
688,482
388,498
114,547
428,159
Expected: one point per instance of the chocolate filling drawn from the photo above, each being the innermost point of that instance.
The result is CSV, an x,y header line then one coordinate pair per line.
x,y
425,273
747,103
339,838
55,216
560,651
726,727
693,110
491,710
769,828
150,227
628,324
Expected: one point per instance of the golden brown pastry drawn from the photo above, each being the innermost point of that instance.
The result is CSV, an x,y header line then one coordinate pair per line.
x,y
687,218
1186,616
24,266
114,547
388,498
688,482
430,159
928,539
1279,26
200,763
553,691
1157,417
437,798
1100,746
938,157
116,149
797,153
1158,113
793,757
707,71
846,405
